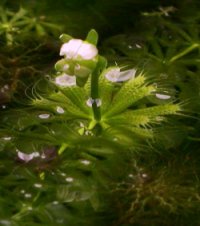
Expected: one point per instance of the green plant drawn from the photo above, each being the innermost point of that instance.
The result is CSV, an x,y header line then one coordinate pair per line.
x,y
14,25
78,130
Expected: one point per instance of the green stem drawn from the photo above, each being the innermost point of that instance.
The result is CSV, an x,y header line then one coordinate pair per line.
x,y
95,92
62,148
95,96
184,52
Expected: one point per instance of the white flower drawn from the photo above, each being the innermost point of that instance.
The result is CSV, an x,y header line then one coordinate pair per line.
x,y
162,96
90,102
65,80
27,157
115,75
77,48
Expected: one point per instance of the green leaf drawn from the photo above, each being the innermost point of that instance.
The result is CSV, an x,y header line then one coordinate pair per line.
x,y
65,38
130,92
166,109
92,37
60,100
78,97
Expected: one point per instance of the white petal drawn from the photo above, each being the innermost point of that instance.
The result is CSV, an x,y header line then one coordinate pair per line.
x,y
7,138
27,157
126,75
65,80
98,102
89,102
85,162
44,116
69,179
87,51
60,110
70,49
162,96
113,74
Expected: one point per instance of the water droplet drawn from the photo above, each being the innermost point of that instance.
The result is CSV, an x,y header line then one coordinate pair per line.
x,y
85,162
44,116
60,110
69,179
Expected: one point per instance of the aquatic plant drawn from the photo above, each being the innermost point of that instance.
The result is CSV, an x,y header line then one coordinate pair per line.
x,y
14,25
79,129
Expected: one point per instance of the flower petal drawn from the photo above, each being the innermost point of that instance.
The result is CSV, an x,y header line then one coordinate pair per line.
x,y
162,96
27,157
126,75
113,74
65,80
71,48
87,51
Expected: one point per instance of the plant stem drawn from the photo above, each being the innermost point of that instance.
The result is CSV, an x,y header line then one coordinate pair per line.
x,y
95,94
184,52
62,148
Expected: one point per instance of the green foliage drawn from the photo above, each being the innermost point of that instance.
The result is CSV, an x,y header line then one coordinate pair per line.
x,y
60,139
104,152
16,24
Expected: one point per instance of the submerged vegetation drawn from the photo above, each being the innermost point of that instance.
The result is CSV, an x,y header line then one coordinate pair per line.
x,y
110,134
